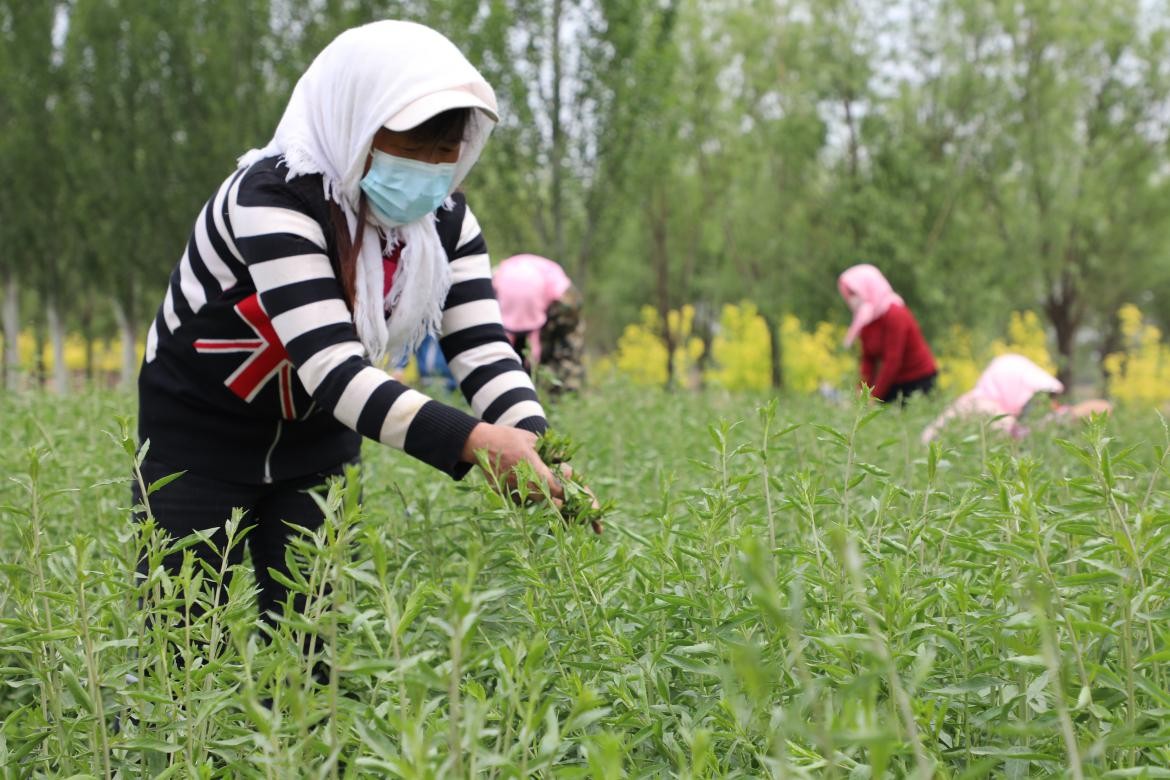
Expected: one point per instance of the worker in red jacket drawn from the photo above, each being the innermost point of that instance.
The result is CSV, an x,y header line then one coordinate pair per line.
x,y
895,360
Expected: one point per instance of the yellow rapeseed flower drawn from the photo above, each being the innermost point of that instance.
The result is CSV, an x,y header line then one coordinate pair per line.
x,y
1139,373
742,350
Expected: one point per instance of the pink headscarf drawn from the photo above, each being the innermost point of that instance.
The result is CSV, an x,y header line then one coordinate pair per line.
x,y
875,294
1010,381
526,286
1004,388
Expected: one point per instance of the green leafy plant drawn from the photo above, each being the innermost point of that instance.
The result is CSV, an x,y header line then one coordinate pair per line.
x,y
794,589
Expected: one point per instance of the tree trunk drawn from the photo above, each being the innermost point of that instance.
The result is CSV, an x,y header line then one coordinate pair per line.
x,y
39,374
1112,341
1066,333
705,328
57,339
660,260
86,322
129,346
668,339
1065,311
11,323
1066,325
775,350
854,172
558,139
90,369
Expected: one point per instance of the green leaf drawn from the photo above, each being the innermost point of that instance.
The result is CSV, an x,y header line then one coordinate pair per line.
x,y
162,482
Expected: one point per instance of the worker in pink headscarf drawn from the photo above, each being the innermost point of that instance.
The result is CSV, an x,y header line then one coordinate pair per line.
x,y
1004,390
541,311
896,361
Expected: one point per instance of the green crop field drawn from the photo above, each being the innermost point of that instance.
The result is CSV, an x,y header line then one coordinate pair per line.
x,y
794,590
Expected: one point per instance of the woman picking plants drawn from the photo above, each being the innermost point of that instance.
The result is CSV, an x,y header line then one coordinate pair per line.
x,y
896,361
1005,393
342,242
542,316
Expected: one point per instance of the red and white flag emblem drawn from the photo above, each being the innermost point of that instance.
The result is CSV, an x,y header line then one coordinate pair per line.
x,y
268,357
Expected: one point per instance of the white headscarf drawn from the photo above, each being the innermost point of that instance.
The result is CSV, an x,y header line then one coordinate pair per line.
x,y
364,79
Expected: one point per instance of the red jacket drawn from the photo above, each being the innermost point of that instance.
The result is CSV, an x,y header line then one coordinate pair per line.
x,y
893,352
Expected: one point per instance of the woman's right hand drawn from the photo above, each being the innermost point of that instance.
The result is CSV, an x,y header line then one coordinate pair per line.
x,y
505,448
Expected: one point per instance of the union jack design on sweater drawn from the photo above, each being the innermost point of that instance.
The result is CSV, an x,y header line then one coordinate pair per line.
x,y
267,357
253,370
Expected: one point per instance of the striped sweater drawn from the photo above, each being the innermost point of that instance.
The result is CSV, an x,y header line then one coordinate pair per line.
x,y
253,370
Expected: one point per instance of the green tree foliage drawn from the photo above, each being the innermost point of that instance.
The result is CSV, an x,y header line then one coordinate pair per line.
x,y
31,198
1078,180
988,156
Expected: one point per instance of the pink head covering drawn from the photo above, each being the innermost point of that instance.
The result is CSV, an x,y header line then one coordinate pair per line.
x,y
526,286
1004,388
875,296
1010,381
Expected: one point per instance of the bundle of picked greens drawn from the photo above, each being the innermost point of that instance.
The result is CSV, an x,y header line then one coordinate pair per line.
x,y
579,505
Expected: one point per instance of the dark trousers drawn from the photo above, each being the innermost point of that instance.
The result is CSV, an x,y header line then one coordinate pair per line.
x,y
903,391
194,503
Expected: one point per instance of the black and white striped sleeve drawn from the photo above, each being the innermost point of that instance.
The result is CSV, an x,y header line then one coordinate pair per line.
x,y
478,352
285,250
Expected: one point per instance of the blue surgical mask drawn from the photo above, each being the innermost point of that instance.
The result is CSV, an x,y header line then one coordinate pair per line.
x,y
402,190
